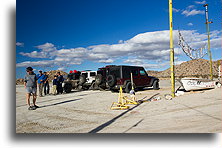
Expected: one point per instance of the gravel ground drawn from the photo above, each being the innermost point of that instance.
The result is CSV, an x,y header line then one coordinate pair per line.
x,y
89,112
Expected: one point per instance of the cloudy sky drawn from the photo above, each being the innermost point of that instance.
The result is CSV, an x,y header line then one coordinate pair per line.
x,y
88,34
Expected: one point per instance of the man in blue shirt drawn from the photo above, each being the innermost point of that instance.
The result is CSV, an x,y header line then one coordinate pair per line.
x,y
41,79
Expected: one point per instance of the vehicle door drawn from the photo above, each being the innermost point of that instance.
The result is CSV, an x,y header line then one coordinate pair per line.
x,y
135,74
92,76
143,77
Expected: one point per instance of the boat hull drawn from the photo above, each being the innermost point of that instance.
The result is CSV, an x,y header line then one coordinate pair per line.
x,y
197,84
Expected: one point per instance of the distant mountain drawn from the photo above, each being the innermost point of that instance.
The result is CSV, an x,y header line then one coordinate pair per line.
x,y
193,68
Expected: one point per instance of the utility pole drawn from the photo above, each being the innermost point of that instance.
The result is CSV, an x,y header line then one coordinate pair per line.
x,y
208,36
171,49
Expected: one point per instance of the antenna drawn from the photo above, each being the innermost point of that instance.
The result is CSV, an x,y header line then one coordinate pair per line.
x,y
208,36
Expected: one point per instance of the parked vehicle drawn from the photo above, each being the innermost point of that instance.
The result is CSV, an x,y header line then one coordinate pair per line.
x,y
79,80
90,78
74,81
113,76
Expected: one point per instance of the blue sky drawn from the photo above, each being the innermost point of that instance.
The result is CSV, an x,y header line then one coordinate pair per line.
x,y
88,34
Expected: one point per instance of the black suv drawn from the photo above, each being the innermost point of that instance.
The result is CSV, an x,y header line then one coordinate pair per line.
x,y
114,76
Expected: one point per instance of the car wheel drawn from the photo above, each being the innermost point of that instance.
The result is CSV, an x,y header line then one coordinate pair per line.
x,y
98,79
67,87
128,87
82,79
111,80
156,85
79,87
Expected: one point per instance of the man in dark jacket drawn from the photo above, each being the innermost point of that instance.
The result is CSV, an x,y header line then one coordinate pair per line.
x,y
60,80
46,84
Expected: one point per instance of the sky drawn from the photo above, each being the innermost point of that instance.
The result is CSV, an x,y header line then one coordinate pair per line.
x,y
88,34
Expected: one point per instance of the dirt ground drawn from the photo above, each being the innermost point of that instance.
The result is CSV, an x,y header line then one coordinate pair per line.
x,y
89,112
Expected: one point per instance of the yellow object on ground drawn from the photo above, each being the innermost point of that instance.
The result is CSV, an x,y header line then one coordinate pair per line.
x,y
120,105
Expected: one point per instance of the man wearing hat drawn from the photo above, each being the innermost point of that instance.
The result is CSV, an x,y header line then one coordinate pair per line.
x,y
41,79
30,84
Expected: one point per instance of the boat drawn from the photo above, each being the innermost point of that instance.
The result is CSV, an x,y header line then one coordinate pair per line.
x,y
197,84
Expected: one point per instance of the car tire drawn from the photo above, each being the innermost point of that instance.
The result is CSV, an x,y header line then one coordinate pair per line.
x,y
128,87
111,80
156,85
79,87
98,79
82,79
67,87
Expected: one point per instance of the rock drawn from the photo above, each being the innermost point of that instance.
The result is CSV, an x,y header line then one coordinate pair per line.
x,y
179,93
168,97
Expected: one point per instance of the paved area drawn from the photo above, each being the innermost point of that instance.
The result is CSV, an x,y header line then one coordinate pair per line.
x,y
89,112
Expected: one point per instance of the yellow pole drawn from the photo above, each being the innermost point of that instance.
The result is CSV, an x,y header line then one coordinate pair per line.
x,y
208,36
171,49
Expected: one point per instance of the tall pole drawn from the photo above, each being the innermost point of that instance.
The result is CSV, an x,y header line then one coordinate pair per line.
x,y
171,49
208,36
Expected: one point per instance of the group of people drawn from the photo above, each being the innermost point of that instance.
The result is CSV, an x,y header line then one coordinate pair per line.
x,y
31,81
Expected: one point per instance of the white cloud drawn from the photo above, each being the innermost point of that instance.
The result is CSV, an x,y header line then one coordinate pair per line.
x,y
176,10
47,47
178,62
200,2
106,61
44,63
145,63
34,54
62,68
140,49
190,7
190,24
192,12
19,44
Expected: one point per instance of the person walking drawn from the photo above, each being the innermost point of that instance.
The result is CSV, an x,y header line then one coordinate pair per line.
x,y
46,84
60,80
41,79
54,85
30,84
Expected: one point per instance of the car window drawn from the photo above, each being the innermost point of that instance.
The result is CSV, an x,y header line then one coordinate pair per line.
x,y
142,72
134,72
126,72
115,71
85,74
92,74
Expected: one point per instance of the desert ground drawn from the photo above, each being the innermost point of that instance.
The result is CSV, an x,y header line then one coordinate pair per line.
x,y
89,112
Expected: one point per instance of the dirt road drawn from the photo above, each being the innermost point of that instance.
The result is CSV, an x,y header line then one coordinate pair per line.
x,y
89,112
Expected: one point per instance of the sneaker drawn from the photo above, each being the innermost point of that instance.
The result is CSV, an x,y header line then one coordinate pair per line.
x,y
36,106
31,108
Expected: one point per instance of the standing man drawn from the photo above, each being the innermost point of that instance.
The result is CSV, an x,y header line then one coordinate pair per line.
x,y
46,84
59,83
54,85
41,79
30,84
